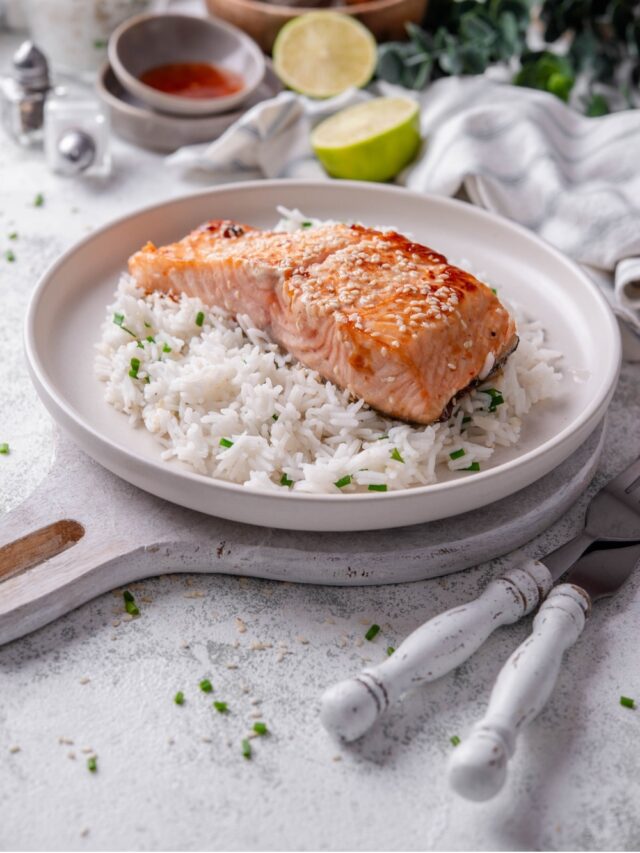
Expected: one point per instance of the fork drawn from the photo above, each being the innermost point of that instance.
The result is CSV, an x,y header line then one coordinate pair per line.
x,y
350,708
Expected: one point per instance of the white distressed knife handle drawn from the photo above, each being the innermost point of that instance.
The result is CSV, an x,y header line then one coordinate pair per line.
x,y
351,707
478,766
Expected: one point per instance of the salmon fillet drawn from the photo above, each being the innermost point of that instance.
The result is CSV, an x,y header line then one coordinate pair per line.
x,y
388,319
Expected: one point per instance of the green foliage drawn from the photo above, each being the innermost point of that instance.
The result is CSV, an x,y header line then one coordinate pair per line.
x,y
466,36
471,35
547,71
605,37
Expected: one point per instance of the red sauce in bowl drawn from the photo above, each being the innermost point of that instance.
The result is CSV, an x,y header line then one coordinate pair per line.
x,y
193,80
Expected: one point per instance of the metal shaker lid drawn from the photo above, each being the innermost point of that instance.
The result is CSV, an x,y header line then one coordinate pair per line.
x,y
76,150
30,67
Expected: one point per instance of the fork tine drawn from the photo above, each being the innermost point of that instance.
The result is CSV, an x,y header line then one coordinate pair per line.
x,y
633,487
626,478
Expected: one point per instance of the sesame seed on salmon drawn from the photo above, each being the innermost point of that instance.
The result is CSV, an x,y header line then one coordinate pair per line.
x,y
384,317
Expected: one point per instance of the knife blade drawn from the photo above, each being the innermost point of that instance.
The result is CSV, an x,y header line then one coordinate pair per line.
x,y
602,571
612,517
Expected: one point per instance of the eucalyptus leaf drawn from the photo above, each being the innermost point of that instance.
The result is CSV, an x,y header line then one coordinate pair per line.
x,y
390,65
596,105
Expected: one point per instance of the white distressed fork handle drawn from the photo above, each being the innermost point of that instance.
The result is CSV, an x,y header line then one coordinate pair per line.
x,y
478,766
351,707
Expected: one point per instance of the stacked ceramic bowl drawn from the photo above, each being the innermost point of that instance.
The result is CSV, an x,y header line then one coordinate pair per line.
x,y
175,80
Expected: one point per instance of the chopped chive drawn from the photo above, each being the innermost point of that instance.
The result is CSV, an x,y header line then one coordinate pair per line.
x,y
381,437
457,454
274,417
147,325
496,398
4,448
206,686
626,702
390,651
13,235
395,454
130,604
373,631
246,748
285,481
179,698
92,763
135,367
221,707
10,256
260,728
38,200
307,224
140,345
475,466
199,318
224,442
100,44
494,290
455,740
342,482
166,348
151,339
118,319
147,380
377,487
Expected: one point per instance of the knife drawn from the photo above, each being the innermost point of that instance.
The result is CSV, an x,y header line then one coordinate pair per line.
x,y
478,766
350,708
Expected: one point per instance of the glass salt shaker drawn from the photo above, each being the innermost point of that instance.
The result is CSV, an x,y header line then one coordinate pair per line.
x,y
23,95
77,136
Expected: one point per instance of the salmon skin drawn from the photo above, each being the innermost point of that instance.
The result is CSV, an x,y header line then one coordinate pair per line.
x,y
386,318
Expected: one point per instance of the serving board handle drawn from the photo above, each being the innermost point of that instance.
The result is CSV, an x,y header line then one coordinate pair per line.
x,y
85,531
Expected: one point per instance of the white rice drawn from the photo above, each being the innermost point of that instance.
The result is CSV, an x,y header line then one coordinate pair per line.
x,y
225,381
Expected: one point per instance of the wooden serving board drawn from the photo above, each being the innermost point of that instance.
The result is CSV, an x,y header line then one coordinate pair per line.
x,y
84,532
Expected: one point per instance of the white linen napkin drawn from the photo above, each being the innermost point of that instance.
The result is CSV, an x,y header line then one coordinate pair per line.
x,y
519,152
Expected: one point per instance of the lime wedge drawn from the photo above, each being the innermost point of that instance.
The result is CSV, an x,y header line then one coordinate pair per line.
x,y
369,142
321,54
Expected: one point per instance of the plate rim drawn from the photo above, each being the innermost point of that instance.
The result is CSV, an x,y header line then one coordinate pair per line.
x,y
55,401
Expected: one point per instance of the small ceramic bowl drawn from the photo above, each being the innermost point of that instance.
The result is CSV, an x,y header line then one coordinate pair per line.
x,y
137,123
149,41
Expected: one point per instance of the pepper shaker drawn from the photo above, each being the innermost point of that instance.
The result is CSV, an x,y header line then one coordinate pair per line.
x,y
23,95
77,136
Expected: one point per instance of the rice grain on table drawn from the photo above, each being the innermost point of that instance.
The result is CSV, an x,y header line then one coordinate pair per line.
x,y
225,400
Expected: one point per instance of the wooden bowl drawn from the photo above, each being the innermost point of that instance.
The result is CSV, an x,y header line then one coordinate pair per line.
x,y
262,21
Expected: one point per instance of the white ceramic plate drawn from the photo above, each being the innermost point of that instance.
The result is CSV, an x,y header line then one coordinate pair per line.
x,y
68,308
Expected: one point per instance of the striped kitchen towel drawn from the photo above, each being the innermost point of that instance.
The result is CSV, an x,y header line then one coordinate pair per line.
x,y
521,153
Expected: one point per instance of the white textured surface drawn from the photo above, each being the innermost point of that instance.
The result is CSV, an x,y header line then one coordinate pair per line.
x,y
575,781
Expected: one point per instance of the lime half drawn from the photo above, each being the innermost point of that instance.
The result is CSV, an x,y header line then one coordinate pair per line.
x,y
321,54
371,141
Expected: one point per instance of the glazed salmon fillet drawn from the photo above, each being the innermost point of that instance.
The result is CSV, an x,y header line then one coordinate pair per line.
x,y
386,318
